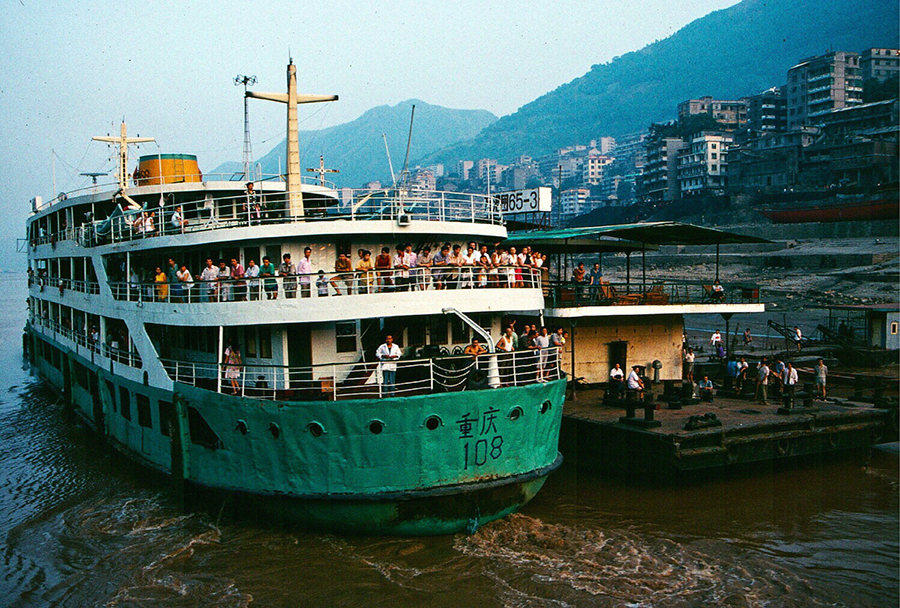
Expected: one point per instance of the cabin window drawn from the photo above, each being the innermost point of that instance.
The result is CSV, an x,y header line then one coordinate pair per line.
x,y
265,343
346,337
125,403
459,331
111,388
166,417
438,331
250,337
143,409
416,332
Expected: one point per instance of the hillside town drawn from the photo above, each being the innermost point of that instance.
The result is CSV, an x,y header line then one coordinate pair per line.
x,y
832,126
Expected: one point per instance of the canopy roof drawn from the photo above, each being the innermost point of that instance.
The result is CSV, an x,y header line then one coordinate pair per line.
x,y
629,237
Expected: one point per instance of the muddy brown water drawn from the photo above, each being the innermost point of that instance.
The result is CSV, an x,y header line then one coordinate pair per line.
x,y
80,526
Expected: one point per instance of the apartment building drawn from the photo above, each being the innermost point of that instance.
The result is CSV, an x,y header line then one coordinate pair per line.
x,y
818,85
703,163
767,112
730,114
880,64
660,178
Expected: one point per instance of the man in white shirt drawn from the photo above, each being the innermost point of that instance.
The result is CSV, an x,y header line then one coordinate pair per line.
x,y
388,353
401,270
635,385
798,337
305,270
821,375
209,275
616,382
716,339
542,342
409,260
790,381
469,260
762,382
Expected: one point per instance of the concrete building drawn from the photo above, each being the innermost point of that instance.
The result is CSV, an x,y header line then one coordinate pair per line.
x,y
437,169
767,112
659,181
731,114
629,155
573,201
703,163
770,162
592,168
424,180
818,85
605,144
464,169
867,118
880,64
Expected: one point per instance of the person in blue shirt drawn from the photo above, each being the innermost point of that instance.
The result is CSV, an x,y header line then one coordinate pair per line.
x,y
706,389
733,370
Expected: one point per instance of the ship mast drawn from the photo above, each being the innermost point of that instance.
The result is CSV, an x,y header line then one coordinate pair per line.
x,y
321,170
292,98
122,142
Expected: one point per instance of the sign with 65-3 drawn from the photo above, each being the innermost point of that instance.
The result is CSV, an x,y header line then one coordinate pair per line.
x,y
523,201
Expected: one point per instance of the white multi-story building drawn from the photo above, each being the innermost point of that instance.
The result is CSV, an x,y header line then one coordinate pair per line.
x,y
574,202
592,168
464,169
818,85
703,163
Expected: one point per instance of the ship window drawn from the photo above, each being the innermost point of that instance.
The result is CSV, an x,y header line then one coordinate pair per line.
x,y
200,431
250,338
81,376
416,332
265,343
143,410
894,328
345,337
125,403
438,331
166,417
111,388
274,254
459,331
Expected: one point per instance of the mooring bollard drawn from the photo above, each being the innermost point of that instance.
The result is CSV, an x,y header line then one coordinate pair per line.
x,y
649,408
630,407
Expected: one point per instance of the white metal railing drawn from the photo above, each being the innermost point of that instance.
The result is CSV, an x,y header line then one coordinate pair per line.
x,y
369,380
84,339
329,284
270,208
63,285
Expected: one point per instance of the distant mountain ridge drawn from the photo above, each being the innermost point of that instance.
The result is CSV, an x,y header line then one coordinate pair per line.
x,y
356,148
729,53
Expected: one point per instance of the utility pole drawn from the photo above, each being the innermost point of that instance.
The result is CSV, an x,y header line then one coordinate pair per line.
x,y
246,81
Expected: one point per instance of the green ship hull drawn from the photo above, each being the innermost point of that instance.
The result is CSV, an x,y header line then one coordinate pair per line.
x,y
417,465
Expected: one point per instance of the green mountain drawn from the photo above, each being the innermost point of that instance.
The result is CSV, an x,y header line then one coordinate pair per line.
x,y
729,53
356,148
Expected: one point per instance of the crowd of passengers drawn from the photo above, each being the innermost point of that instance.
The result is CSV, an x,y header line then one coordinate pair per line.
x,y
450,267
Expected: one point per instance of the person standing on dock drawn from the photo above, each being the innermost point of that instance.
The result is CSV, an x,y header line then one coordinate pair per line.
x,y
821,374
798,338
790,383
616,382
388,353
748,339
762,381
715,340
689,365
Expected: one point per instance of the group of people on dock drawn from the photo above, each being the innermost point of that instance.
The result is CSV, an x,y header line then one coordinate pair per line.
x,y
449,267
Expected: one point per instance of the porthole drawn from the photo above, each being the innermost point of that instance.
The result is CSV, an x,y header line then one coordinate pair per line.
x,y
315,429
242,427
545,407
432,423
275,430
376,426
515,413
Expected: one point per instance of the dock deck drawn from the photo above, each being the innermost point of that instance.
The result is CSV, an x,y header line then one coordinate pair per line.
x,y
597,436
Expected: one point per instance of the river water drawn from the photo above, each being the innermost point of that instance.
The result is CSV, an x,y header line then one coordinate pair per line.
x,y
81,527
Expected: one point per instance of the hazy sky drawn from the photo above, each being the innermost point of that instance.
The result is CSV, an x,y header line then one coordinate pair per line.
x,y
73,70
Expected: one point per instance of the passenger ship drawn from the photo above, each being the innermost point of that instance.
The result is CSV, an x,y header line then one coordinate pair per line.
x,y
303,423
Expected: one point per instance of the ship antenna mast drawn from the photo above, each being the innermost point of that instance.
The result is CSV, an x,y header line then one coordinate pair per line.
x,y
247,81
122,142
405,173
291,99
390,164
321,170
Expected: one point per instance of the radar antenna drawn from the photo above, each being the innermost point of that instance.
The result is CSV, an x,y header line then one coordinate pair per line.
x,y
246,81
321,170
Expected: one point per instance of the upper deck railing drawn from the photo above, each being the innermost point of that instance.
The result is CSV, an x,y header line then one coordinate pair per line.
x,y
269,208
192,178
331,284
655,292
